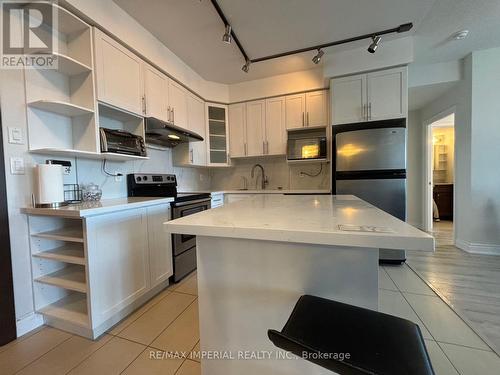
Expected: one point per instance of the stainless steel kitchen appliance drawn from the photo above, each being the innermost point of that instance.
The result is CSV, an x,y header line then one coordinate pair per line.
x,y
370,162
165,185
306,144
122,142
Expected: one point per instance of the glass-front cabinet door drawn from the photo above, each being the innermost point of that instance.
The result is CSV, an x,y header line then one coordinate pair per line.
x,y
218,136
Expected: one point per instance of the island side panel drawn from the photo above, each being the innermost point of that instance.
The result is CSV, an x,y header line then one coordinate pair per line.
x,y
246,287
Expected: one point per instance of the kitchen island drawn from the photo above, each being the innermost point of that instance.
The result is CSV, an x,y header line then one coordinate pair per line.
x,y
256,257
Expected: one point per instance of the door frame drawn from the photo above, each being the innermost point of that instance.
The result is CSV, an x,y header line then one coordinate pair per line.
x,y
427,172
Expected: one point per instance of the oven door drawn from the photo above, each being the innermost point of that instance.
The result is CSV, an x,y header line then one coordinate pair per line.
x,y
183,242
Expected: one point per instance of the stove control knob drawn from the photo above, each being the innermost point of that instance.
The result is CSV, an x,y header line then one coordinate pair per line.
x,y
145,178
139,179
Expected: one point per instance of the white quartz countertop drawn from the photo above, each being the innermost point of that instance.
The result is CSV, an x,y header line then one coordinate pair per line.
x,y
343,220
269,191
104,206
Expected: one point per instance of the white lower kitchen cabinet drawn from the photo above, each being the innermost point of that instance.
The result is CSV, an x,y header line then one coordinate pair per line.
x,y
90,272
217,200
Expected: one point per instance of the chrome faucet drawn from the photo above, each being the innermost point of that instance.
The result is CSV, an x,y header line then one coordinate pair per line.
x,y
264,177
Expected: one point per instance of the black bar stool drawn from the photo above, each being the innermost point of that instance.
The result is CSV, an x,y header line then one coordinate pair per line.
x,y
351,340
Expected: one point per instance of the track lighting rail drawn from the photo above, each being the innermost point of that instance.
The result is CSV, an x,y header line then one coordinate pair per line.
x,y
375,36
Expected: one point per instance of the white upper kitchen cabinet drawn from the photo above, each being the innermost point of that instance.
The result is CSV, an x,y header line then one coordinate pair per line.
x,y
387,94
295,111
177,96
255,125
373,96
197,124
155,93
275,136
217,135
317,108
237,130
306,109
348,99
118,74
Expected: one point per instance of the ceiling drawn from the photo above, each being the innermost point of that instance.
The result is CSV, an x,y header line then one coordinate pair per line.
x,y
193,30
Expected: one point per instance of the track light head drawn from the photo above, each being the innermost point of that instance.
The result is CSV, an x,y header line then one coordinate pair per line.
x,y
373,47
246,67
227,38
317,58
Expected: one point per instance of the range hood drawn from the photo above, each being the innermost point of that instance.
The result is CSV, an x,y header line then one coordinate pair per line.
x,y
164,134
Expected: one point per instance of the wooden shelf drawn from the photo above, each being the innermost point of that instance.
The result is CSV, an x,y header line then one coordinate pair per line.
x,y
70,253
69,23
72,308
60,107
71,278
69,66
70,234
87,154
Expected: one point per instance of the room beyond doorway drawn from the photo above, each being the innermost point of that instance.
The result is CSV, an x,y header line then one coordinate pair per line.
x,y
440,172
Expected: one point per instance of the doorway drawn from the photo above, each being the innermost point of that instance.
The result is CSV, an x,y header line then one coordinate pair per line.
x,y
440,175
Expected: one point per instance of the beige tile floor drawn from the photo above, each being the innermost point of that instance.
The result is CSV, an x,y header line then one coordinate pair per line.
x,y
169,322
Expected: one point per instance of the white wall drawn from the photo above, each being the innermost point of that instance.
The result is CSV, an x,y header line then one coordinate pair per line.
x,y
484,219
390,53
278,85
414,168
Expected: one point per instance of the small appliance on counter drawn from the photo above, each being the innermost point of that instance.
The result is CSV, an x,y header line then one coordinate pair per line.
x,y
306,144
49,186
122,142
165,185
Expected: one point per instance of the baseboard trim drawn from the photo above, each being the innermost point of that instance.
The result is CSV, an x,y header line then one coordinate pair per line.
x,y
478,248
28,323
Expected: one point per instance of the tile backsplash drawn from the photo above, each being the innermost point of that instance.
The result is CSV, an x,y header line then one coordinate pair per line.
x,y
280,175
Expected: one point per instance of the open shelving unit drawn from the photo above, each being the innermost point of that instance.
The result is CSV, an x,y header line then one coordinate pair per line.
x,y
62,110
59,264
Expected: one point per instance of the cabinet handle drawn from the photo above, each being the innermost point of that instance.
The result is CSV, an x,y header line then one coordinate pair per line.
x,y
303,119
191,155
263,147
267,147
363,114
173,115
143,104
245,149
168,114
370,111
307,119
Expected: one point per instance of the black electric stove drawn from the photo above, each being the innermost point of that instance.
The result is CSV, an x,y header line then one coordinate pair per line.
x,y
165,185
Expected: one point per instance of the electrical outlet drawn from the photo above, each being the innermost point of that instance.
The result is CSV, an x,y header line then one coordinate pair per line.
x,y
118,176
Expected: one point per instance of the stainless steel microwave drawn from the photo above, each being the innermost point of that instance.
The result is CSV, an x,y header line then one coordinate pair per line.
x,y
306,144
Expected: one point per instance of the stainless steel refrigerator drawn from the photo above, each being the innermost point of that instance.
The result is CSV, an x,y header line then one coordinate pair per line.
x,y
370,162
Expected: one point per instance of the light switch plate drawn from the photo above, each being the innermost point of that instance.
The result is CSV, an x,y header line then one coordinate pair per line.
x,y
16,136
17,165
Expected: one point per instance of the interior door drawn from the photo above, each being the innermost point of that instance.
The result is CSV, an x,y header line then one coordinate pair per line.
x,y
156,93
317,108
255,122
349,99
387,94
295,111
237,133
178,102
275,126
371,149
118,74
197,124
